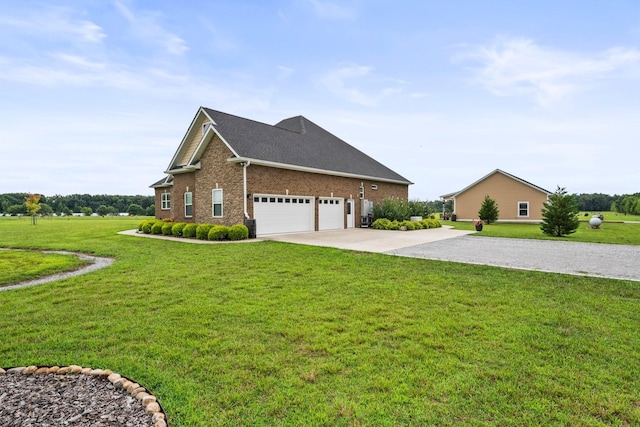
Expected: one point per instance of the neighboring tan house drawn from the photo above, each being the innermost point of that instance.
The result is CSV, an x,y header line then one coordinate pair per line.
x,y
517,199
290,177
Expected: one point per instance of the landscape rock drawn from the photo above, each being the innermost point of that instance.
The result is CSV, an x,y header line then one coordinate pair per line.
x,y
152,407
17,370
113,377
41,371
53,370
30,370
2,371
95,372
148,400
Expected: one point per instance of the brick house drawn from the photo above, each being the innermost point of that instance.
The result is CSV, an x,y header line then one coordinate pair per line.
x,y
518,200
290,177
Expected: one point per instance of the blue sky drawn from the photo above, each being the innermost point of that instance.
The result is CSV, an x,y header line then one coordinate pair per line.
x,y
95,96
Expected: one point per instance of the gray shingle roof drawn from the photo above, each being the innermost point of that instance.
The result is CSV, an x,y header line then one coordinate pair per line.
x,y
297,141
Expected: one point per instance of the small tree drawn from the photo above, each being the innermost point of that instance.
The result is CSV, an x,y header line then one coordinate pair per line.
x,y
86,211
560,214
488,210
102,210
135,209
32,204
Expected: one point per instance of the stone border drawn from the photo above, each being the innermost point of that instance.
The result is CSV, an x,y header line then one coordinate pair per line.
x,y
96,264
148,401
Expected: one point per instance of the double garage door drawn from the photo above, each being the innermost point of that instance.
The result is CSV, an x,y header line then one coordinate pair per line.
x,y
276,214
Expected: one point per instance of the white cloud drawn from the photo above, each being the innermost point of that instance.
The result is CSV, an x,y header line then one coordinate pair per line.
x,y
518,66
349,83
331,10
57,23
145,26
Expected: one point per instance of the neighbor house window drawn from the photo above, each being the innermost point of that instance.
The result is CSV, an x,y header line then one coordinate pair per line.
x,y
217,203
165,201
523,208
188,204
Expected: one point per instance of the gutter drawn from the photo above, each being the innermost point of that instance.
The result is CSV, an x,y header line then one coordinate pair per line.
x,y
245,165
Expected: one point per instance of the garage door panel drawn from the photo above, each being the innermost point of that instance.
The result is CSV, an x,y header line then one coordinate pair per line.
x,y
330,213
277,214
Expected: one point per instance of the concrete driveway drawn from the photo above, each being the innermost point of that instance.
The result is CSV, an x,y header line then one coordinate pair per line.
x,y
445,244
369,239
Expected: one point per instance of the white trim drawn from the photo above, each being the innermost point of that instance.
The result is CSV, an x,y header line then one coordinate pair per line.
x,y
213,203
313,170
528,210
165,205
185,204
508,175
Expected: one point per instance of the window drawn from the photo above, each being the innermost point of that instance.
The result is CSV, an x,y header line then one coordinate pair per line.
x,y
165,201
523,209
217,203
188,204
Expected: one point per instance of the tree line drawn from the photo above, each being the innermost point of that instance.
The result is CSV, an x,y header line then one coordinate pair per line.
x,y
87,204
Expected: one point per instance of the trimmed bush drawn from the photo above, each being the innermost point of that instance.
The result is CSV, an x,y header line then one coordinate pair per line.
x,y
166,228
409,225
177,228
202,231
189,230
418,225
381,224
218,232
145,226
156,228
238,232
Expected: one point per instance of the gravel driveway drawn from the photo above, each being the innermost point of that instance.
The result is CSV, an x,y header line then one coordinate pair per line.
x,y
585,259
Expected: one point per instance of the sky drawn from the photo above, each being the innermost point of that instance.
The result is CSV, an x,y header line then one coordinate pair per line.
x,y
96,96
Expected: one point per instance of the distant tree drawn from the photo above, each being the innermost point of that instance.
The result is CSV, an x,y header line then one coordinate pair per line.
x,y
488,210
112,211
86,211
102,210
67,211
45,209
16,209
560,214
135,209
151,210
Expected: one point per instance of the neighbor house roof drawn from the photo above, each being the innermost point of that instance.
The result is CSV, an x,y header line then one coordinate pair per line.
x,y
295,143
457,193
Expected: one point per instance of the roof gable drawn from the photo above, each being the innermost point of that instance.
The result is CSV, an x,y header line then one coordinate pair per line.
x,y
296,142
508,175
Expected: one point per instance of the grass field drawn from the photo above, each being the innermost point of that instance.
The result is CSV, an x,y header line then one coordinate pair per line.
x,y
271,333
609,232
18,266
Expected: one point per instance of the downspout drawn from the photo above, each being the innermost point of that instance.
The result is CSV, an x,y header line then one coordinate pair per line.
x,y
245,165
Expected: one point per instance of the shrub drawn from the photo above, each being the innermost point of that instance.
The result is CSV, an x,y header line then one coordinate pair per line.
x,y
202,231
156,228
409,225
189,230
418,225
218,232
394,225
238,232
381,224
177,228
166,228
145,226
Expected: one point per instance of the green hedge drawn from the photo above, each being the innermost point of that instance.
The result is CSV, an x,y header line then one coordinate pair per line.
x,y
190,230
386,224
202,231
177,228
166,228
238,232
218,232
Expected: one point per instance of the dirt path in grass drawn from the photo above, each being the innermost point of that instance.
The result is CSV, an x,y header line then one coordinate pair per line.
x,y
96,263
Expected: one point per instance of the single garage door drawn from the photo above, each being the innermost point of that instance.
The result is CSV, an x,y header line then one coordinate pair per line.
x,y
277,214
330,213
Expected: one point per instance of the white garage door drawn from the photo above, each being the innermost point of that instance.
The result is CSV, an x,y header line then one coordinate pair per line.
x,y
277,214
330,213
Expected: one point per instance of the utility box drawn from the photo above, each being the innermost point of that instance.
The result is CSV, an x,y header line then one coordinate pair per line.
x,y
251,225
366,213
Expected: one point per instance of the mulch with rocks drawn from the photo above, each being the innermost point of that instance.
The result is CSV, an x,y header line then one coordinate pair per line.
x,y
74,396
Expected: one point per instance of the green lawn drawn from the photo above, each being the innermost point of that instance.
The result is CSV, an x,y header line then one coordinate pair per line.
x,y
609,232
18,266
271,333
